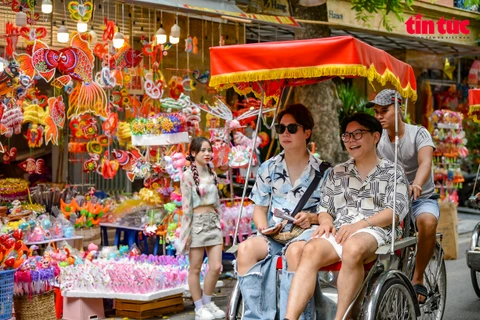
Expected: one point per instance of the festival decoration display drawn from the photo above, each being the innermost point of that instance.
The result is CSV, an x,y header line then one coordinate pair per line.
x,y
450,142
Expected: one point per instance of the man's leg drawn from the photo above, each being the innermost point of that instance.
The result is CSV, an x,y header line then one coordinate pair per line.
x,y
317,253
427,228
356,250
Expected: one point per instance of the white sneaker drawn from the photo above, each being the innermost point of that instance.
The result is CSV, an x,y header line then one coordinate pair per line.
x,y
204,314
215,311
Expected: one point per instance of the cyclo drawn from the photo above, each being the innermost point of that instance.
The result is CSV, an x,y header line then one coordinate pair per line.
x,y
266,70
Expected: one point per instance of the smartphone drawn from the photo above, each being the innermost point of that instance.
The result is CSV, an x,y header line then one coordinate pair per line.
x,y
282,215
271,228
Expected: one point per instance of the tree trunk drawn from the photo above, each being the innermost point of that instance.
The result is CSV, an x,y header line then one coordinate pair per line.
x,y
320,98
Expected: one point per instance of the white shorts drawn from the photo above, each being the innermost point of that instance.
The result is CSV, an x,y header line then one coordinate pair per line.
x,y
339,248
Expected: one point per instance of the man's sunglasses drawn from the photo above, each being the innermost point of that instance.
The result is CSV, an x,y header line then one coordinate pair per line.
x,y
292,128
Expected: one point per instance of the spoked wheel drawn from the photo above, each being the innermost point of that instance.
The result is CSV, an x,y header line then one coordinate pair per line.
x,y
435,280
475,281
240,310
395,302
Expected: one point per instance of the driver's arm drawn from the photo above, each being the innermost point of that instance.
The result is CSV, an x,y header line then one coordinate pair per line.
x,y
425,157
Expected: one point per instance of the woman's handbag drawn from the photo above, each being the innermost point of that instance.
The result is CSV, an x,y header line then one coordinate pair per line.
x,y
289,230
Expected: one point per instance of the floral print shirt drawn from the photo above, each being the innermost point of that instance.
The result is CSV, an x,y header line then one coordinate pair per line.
x,y
191,200
273,186
348,199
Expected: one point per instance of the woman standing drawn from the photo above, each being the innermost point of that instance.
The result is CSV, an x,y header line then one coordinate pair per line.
x,y
200,229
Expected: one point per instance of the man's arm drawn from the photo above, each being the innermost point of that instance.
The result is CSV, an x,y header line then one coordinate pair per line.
x,y
260,217
425,157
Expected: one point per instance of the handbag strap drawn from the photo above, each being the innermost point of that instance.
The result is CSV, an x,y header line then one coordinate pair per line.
x,y
313,185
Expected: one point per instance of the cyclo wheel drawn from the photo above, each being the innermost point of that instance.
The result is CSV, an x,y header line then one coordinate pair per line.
x,y
395,302
435,280
475,281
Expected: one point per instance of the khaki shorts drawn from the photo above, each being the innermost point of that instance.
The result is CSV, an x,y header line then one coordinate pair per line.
x,y
206,230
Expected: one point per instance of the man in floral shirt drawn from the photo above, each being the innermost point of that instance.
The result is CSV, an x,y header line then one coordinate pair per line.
x,y
355,216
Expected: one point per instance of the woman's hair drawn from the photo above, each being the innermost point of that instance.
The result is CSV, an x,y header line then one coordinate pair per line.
x,y
301,114
195,147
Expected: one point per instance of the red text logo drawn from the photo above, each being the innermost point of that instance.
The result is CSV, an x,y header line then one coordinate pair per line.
x,y
417,25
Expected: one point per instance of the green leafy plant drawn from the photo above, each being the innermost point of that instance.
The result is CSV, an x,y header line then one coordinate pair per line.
x,y
352,100
366,9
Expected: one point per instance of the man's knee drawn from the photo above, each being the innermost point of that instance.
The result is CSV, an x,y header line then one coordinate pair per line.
x,y
251,249
427,222
352,253
294,253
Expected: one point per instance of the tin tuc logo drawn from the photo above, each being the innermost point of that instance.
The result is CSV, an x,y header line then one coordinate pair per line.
x,y
417,25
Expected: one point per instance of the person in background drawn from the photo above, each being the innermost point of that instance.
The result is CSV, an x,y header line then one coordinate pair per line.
x,y
415,154
281,181
200,227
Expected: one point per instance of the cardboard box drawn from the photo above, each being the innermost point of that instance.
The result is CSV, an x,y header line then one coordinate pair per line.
x,y
448,227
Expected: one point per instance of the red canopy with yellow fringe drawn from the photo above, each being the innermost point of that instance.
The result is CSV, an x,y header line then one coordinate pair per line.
x,y
474,104
291,63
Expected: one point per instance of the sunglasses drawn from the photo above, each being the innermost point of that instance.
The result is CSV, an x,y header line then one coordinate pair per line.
x,y
356,135
292,128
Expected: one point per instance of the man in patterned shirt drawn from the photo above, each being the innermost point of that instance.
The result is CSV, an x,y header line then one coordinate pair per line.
x,y
355,216
415,153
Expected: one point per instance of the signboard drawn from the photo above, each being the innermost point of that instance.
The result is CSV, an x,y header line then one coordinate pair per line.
x,y
283,20
426,21
274,7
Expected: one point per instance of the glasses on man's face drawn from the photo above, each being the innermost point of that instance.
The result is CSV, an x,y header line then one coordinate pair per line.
x,y
292,128
356,135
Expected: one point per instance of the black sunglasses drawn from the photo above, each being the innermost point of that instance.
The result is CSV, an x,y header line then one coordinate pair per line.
x,y
292,128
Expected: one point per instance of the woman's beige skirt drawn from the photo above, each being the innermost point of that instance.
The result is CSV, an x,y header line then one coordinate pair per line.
x,y
206,230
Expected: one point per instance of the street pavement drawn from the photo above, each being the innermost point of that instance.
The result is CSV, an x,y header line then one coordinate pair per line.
x,y
462,303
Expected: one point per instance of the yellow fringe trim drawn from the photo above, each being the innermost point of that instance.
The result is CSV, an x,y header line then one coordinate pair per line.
x,y
474,112
225,81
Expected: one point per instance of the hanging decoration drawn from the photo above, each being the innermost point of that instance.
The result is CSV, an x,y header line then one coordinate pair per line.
x,y
33,166
80,11
9,154
54,119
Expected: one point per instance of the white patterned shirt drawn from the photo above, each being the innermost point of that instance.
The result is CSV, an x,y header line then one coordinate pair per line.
x,y
348,199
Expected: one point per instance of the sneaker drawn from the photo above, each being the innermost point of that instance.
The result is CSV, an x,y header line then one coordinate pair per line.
x,y
215,311
204,314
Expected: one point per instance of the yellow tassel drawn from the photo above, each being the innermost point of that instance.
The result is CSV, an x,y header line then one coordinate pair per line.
x,y
226,81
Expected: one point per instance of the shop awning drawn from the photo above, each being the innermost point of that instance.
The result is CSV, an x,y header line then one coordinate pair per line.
x,y
277,64
218,8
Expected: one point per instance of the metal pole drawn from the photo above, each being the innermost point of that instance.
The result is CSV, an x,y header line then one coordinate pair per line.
x,y
234,246
395,175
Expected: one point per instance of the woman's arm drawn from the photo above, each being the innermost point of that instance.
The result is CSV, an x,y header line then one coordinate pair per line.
x,y
186,187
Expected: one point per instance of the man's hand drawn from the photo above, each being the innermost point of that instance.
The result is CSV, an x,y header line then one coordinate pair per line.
x,y
302,219
415,190
347,230
324,229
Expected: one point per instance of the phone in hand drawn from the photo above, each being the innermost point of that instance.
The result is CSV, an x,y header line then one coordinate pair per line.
x,y
282,215
271,228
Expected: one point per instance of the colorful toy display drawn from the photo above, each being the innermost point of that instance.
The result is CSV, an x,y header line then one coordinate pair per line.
x,y
450,143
